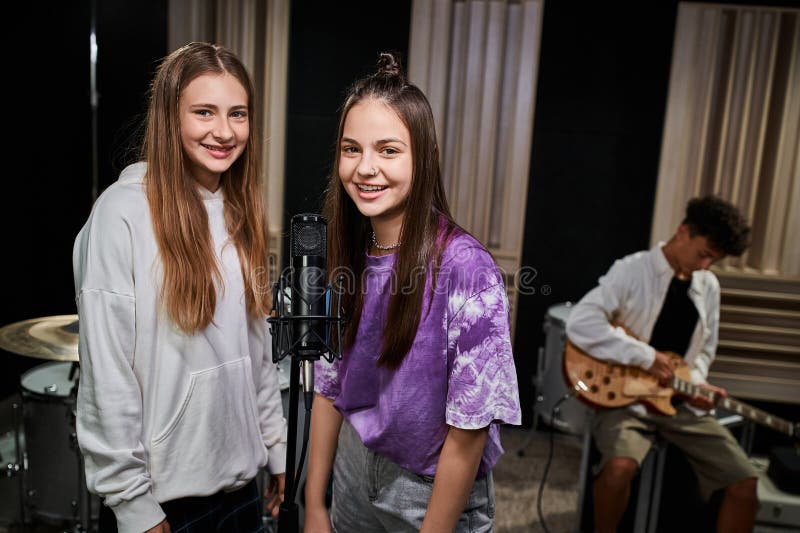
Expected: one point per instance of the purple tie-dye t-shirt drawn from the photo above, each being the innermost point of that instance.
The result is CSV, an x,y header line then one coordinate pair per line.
x,y
459,371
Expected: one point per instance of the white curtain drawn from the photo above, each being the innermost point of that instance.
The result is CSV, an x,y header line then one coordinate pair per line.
x,y
477,61
733,129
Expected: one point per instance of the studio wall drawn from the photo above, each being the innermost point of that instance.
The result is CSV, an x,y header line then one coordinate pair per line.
x,y
601,96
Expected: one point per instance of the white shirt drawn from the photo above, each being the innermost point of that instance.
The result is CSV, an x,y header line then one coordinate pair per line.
x,y
632,293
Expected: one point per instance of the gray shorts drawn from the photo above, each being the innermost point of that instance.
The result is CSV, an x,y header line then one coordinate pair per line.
x,y
716,457
373,494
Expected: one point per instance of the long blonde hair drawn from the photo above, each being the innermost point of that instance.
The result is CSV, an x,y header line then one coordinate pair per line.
x,y
191,275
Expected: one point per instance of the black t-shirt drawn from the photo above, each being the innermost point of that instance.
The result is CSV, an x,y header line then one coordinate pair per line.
x,y
676,321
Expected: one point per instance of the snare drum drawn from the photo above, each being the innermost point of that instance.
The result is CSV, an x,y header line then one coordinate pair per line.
x,y
51,476
550,383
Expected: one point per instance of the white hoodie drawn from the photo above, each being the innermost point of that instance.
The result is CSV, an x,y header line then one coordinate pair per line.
x,y
162,414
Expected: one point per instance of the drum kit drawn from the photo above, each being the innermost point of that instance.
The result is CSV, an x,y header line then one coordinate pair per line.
x,y
42,462
43,477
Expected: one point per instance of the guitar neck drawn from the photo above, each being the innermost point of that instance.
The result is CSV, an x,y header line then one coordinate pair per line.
x,y
735,406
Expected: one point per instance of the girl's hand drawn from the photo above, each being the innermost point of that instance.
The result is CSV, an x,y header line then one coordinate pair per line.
x,y
317,520
161,527
273,494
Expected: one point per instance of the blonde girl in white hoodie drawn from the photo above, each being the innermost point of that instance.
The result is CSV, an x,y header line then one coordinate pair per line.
x,y
179,403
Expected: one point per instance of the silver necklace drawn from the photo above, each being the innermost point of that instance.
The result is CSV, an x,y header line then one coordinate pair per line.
x,y
382,247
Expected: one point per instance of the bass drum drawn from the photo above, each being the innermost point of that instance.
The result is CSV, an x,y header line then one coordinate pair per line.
x,y
54,488
10,503
48,417
550,383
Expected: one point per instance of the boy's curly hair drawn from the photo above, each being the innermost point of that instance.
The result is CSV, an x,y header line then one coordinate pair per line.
x,y
720,222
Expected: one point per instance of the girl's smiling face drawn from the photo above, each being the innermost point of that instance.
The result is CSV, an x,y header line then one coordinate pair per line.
x,y
214,125
375,161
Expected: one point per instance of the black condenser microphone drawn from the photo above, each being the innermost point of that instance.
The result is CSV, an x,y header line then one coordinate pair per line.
x,y
301,329
308,244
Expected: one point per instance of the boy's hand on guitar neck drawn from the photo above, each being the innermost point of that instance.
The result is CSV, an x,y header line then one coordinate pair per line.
x,y
707,402
662,368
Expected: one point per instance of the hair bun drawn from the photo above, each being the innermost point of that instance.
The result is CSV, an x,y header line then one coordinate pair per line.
x,y
389,64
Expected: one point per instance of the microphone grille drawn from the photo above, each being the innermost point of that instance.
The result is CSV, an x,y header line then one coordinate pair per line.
x,y
308,235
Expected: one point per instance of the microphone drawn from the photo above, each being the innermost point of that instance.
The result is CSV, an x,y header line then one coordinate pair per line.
x,y
308,244
301,328
305,307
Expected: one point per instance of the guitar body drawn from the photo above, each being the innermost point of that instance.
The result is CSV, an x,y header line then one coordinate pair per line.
x,y
602,384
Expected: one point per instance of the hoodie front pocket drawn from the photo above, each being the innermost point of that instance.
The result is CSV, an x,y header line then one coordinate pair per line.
x,y
213,440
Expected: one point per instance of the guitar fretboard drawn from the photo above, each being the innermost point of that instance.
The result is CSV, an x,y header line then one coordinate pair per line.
x,y
735,406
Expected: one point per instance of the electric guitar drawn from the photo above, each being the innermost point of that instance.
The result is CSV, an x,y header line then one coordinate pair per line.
x,y
604,384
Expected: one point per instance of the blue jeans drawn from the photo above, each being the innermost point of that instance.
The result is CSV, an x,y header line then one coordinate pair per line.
x,y
372,494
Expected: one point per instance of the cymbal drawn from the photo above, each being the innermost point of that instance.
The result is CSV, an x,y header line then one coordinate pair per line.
x,y
52,337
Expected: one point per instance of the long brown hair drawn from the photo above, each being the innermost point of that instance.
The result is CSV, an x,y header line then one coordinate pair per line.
x,y
349,230
191,274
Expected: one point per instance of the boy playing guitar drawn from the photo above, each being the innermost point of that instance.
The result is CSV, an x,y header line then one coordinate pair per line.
x,y
669,301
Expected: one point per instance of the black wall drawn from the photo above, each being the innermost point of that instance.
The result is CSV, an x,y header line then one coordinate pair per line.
x,y
330,47
48,178
600,105
133,40
46,181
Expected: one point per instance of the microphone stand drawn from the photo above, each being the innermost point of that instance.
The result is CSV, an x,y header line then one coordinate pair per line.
x,y
288,512
281,328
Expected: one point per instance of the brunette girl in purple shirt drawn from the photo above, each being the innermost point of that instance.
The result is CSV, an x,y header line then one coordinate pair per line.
x,y
408,419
